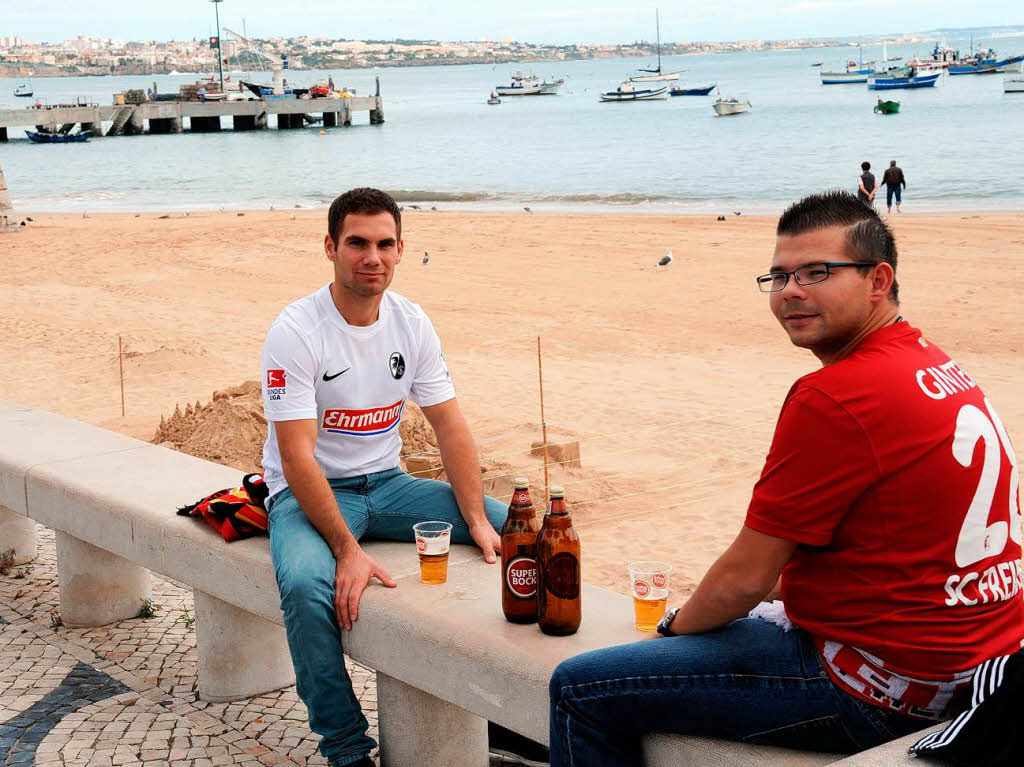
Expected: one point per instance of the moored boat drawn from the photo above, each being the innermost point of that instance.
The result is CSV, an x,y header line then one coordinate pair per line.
x,y
521,85
43,137
1014,84
627,91
887,107
24,91
896,79
701,91
494,98
724,107
985,63
655,75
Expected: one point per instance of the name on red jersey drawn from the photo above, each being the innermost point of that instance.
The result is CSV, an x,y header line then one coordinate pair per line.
x,y
363,423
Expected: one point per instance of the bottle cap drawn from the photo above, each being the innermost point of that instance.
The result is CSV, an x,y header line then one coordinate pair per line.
x,y
522,483
556,491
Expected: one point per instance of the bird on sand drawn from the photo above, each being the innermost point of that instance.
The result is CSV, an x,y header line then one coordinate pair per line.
x,y
426,257
527,210
415,207
666,259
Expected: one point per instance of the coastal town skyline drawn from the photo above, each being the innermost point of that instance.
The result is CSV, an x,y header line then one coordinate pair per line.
x,y
572,22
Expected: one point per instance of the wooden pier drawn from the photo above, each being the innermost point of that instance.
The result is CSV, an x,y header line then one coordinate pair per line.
x,y
161,117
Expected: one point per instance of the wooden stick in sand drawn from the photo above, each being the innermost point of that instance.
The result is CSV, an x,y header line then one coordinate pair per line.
x,y
120,365
543,423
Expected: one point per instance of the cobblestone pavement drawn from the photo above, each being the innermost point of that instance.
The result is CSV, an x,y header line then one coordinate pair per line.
x,y
125,694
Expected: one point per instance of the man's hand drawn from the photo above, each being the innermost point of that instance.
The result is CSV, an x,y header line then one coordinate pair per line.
x,y
488,540
351,577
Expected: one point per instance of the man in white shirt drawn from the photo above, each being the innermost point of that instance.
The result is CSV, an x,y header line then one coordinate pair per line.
x,y
338,368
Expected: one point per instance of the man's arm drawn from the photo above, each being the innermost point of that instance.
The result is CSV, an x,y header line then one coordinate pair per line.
x,y
741,577
462,465
296,441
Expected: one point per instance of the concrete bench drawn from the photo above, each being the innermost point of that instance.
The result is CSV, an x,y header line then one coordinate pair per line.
x,y
446,660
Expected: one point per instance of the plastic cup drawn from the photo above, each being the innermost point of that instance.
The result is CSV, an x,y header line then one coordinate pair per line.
x,y
648,582
432,542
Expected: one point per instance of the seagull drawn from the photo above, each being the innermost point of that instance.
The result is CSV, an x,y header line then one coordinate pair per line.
x,y
666,259
292,217
433,207
527,210
271,207
736,212
186,212
23,223
415,207
84,214
164,216
29,218
136,215
297,205
426,257
241,214
720,218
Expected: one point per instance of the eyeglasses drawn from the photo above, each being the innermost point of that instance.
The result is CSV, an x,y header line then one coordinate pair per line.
x,y
805,275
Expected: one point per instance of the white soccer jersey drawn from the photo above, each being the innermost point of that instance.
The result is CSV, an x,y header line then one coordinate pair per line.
x,y
354,381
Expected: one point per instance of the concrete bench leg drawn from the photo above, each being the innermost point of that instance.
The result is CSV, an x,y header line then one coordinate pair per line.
x,y
97,587
416,729
240,654
17,532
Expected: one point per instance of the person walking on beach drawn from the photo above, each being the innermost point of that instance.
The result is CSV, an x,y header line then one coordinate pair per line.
x,y
338,368
866,185
886,515
893,180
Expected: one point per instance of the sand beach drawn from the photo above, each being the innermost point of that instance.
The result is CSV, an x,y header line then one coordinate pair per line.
x,y
670,378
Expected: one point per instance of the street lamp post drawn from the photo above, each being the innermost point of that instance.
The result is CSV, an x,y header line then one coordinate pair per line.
x,y
220,55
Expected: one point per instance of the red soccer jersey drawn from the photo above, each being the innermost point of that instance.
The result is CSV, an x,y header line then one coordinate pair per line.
x,y
893,472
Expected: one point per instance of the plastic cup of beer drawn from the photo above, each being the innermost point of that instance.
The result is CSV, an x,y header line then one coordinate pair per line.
x,y
648,581
432,542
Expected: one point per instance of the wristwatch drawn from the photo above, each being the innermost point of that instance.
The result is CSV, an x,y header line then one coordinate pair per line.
x,y
666,621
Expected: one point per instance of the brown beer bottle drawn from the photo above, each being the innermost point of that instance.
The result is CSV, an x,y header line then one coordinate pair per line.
x,y
519,557
559,610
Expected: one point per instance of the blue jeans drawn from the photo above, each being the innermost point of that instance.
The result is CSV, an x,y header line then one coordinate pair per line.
x,y
384,506
747,681
889,192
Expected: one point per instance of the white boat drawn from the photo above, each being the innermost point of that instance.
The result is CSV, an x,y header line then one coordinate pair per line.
x,y
655,75
522,85
725,107
550,88
493,99
627,91
1014,83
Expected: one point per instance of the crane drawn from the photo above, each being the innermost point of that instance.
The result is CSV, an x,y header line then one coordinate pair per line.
x,y
278,63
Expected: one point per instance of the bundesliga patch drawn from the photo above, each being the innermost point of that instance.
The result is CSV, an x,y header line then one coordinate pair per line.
x,y
363,423
275,384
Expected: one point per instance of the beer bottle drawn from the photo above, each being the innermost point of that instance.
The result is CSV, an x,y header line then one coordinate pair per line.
x,y
519,557
559,610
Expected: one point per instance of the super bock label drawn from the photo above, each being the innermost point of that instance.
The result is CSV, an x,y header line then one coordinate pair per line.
x,y
650,587
521,577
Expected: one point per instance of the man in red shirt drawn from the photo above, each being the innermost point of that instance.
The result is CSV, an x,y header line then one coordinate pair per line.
x,y
887,513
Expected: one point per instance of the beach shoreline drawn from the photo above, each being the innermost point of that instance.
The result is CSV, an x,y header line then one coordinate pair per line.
x,y
670,378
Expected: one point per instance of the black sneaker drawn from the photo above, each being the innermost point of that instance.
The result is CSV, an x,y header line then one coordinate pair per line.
x,y
515,749
366,761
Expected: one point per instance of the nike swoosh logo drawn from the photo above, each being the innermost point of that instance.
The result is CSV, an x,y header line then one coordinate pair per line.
x,y
331,378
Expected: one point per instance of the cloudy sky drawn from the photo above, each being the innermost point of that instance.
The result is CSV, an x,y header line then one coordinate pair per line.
x,y
548,21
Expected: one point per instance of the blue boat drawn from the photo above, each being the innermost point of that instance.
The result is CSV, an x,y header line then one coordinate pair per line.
x,y
898,79
692,91
58,138
985,66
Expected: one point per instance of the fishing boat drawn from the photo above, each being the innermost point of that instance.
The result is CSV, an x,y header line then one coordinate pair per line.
x,y
942,57
905,77
725,107
985,63
494,98
854,73
24,91
550,87
887,107
627,91
655,75
43,137
521,85
700,91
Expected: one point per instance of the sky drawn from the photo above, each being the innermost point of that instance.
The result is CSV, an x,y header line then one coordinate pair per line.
x,y
541,21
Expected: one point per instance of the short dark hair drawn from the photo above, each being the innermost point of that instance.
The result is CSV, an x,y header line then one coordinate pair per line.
x,y
363,199
865,166
867,236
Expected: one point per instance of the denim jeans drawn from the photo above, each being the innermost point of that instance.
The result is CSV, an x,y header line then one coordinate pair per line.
x,y
384,506
747,681
890,191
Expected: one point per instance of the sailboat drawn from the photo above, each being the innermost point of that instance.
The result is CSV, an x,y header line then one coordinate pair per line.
x,y
655,75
